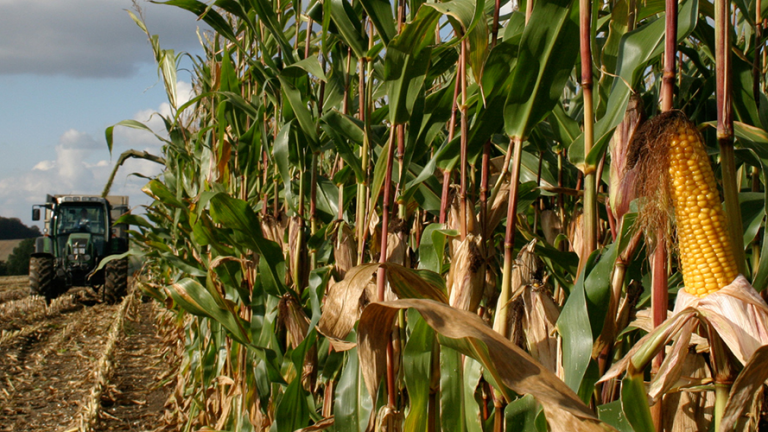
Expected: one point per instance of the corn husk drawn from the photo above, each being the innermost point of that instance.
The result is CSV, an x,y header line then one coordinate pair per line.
x,y
396,246
467,274
689,410
344,250
533,315
736,313
274,229
622,176
499,206
294,228
576,233
296,324
551,226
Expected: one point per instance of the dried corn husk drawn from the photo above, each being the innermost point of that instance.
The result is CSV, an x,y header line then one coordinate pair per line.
x,y
467,274
622,177
576,233
551,226
274,229
689,410
499,206
296,324
295,226
533,314
345,250
736,313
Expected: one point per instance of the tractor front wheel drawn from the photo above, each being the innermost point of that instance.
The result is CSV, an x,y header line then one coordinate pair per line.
x,y
42,276
115,280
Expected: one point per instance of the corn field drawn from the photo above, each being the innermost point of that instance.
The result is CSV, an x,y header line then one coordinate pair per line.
x,y
464,216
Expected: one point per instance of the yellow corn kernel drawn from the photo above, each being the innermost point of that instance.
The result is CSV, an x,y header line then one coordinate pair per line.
x,y
706,257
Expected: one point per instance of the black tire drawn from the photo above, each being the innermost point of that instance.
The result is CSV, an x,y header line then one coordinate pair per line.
x,y
42,276
115,280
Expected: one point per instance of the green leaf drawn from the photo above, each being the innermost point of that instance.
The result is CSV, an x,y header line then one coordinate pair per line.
x,y
417,368
612,414
520,415
342,128
131,124
352,404
292,411
311,65
548,50
583,315
238,215
634,403
406,62
270,20
380,13
132,219
282,157
159,191
452,390
638,48
752,213
204,12
306,121
432,247
349,26
195,299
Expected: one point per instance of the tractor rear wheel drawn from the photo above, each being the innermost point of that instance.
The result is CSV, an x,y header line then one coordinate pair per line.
x,y
42,276
115,280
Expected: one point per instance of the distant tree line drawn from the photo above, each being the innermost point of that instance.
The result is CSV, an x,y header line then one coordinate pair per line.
x,y
13,228
18,260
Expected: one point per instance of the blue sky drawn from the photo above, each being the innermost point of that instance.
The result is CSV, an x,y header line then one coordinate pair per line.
x,y
68,70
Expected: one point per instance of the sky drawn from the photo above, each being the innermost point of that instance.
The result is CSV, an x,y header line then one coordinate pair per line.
x,y
68,70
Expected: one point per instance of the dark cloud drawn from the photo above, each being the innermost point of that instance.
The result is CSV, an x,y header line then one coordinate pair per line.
x,y
87,38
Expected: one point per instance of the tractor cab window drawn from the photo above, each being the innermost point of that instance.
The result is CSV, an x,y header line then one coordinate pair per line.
x,y
81,219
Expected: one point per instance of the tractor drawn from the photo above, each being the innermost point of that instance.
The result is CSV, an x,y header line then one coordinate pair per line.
x,y
79,233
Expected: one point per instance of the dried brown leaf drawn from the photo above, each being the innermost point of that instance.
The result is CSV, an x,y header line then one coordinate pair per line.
x,y
690,410
321,425
745,387
342,305
509,365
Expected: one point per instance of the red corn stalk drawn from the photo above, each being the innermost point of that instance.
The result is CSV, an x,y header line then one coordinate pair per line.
x,y
382,272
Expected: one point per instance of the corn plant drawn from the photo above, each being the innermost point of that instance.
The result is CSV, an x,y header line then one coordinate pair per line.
x,y
382,215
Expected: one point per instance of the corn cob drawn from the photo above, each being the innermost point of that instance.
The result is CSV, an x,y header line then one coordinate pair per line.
x,y
706,252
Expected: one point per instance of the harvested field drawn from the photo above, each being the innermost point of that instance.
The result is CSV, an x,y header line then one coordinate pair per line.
x,y
78,364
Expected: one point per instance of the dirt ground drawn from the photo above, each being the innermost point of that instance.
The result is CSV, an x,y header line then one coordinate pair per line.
x,y
53,358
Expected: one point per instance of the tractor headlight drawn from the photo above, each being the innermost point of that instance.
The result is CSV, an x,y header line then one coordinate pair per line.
x,y
87,257
71,257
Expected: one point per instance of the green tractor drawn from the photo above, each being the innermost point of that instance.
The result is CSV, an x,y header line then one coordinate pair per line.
x,y
79,233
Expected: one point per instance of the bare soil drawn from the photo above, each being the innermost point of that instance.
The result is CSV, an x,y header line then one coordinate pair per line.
x,y
49,356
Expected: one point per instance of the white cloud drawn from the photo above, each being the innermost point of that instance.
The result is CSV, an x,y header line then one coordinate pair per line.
x,y
87,38
44,165
79,166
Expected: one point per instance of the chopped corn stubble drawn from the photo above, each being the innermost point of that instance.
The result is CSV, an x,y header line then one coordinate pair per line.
x,y
706,252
